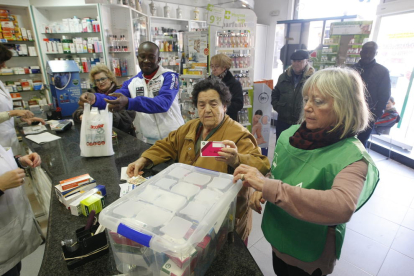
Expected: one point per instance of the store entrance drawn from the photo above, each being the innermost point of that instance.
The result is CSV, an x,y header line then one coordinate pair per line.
x,y
396,52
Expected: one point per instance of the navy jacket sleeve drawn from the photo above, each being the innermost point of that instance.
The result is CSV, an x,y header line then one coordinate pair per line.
x,y
384,93
160,103
101,104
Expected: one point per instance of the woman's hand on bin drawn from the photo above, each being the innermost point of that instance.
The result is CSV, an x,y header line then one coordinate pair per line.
x,y
250,176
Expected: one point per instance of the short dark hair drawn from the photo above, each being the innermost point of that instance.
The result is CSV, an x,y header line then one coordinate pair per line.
x,y
217,85
5,54
152,44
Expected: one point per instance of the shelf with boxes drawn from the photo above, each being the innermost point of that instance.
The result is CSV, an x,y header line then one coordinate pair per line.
x,y
23,71
124,28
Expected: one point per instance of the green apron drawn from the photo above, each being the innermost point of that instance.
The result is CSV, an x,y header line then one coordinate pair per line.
x,y
311,169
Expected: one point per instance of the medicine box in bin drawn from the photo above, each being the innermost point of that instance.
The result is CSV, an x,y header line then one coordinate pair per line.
x,y
173,224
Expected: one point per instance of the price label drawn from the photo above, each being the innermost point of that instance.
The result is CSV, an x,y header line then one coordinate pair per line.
x,y
215,16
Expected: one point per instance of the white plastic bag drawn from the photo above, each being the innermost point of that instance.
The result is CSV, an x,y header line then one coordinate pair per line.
x,y
96,132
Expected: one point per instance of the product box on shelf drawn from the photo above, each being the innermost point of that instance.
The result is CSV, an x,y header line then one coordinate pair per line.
x,y
173,224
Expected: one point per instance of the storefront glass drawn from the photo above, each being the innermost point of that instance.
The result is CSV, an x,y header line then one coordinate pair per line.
x,y
396,52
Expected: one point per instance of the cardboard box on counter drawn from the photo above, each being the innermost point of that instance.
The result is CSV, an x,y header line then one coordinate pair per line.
x,y
75,181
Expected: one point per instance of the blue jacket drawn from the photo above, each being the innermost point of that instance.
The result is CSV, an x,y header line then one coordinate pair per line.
x,y
156,104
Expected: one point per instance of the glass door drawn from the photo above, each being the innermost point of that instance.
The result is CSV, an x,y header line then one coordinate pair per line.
x,y
396,52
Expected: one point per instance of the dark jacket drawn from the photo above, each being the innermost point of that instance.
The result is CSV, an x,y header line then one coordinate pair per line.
x,y
122,120
378,85
387,120
236,91
286,99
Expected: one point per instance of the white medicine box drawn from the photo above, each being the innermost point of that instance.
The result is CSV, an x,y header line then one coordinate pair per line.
x,y
173,224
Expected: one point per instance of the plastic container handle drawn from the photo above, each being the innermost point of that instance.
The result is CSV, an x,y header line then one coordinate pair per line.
x,y
134,235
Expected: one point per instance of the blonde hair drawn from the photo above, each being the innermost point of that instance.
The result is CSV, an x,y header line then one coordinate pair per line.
x,y
346,88
222,60
101,68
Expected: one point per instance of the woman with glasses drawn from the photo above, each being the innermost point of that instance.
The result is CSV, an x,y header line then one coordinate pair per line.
x,y
220,69
105,83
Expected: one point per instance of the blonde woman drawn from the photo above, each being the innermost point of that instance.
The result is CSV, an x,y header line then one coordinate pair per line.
x,y
220,69
321,174
105,83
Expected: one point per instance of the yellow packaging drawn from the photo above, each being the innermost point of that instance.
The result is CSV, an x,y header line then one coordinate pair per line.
x,y
94,202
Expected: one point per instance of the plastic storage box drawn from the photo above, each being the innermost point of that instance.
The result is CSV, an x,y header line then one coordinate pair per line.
x,y
173,224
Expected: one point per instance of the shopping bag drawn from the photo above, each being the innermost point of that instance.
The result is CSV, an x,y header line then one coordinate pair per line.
x,y
96,132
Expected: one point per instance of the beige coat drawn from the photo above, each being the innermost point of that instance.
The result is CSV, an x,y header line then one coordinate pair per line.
x,y
179,145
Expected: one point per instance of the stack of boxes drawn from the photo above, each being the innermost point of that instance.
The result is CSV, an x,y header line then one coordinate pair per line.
x,y
73,25
10,30
80,194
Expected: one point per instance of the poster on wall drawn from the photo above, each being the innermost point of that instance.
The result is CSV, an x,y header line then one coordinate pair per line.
x,y
262,111
351,28
197,48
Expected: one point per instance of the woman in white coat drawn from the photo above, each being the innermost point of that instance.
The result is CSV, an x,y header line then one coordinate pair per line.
x,y
8,137
20,234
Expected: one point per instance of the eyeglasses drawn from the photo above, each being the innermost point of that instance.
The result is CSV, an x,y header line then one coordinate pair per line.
x,y
215,66
100,80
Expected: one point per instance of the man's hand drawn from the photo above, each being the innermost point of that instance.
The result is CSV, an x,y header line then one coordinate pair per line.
x,y
33,160
119,104
87,97
34,119
21,113
11,179
136,168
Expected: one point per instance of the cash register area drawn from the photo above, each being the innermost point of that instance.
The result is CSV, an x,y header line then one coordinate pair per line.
x,y
379,238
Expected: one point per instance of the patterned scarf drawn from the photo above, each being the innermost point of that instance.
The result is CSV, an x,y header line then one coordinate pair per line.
x,y
221,76
307,140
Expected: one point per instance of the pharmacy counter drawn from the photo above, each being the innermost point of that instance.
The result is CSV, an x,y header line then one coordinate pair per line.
x,y
61,160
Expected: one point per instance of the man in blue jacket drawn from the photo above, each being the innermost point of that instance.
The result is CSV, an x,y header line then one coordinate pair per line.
x,y
152,93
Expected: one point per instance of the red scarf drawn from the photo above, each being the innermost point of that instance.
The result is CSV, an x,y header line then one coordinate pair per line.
x,y
150,76
307,140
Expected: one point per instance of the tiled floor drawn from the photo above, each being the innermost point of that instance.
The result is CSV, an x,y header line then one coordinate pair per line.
x,y
379,238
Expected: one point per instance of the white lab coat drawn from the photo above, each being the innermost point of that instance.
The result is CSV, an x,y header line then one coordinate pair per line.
x,y
8,137
19,231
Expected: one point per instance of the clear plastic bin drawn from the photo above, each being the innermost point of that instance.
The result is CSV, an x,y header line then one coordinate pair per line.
x,y
173,224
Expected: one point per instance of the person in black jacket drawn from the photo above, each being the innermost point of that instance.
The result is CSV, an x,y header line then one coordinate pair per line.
x,y
105,83
220,65
377,82
287,98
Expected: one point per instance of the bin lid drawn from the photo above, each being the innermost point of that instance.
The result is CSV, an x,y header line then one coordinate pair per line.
x,y
62,66
174,210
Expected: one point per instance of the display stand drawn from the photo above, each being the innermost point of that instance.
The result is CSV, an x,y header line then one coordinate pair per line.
x,y
343,46
13,81
234,35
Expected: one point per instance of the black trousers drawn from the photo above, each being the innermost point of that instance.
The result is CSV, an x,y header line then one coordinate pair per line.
x,y
15,271
283,269
281,126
